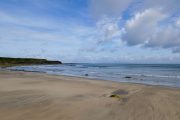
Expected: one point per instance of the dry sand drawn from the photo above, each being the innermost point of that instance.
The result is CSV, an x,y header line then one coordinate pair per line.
x,y
35,96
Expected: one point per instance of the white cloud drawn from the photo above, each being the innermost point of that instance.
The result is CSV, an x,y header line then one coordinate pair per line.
x,y
168,37
107,29
111,8
145,29
148,27
105,36
168,6
178,23
142,26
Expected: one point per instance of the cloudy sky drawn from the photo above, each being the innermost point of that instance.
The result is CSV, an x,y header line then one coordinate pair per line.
x,y
124,31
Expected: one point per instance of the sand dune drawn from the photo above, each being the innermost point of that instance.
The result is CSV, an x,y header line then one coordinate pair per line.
x,y
34,96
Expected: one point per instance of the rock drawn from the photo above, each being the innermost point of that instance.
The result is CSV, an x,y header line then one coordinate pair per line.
x,y
128,77
86,74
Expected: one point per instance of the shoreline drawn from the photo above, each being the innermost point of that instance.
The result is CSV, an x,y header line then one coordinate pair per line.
x,y
39,96
96,79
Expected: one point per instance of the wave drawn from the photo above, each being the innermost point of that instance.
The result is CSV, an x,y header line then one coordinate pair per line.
x,y
111,72
151,75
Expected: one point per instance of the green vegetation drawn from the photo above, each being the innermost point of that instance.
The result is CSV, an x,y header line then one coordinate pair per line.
x,y
7,62
119,94
116,96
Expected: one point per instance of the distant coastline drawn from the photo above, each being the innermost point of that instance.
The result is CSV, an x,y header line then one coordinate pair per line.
x,y
7,61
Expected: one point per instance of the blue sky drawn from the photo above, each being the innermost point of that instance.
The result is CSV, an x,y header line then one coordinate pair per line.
x,y
131,31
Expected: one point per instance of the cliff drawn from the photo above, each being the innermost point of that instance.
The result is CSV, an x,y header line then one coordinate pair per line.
x,y
5,61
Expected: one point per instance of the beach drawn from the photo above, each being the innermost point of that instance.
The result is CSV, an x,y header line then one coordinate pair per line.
x,y
38,96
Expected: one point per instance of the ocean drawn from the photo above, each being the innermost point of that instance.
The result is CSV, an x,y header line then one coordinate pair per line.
x,y
151,74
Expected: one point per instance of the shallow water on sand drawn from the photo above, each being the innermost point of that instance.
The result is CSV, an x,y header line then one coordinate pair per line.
x,y
153,74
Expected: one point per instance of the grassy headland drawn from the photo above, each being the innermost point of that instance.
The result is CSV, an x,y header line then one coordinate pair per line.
x,y
6,61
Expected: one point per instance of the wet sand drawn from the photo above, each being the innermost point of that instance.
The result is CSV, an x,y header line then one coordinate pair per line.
x,y
35,96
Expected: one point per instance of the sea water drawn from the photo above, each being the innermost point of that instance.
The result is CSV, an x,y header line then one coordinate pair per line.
x,y
153,74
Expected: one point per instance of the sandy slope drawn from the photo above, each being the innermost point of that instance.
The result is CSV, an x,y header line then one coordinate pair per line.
x,y
34,96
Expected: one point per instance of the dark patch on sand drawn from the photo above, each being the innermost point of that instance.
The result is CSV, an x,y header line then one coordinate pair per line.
x,y
120,92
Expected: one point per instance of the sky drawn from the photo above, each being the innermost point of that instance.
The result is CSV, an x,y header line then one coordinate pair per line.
x,y
91,31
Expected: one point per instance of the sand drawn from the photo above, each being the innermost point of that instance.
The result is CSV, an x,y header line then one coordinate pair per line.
x,y
36,96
